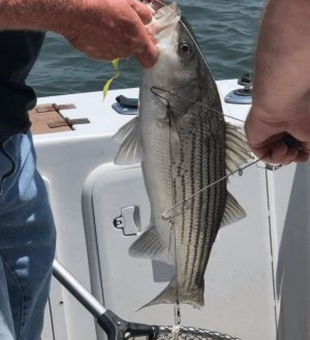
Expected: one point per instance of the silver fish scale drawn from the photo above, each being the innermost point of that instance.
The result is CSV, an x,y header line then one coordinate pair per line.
x,y
192,333
199,162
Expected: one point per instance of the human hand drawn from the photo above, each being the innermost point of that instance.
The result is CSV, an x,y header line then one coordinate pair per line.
x,y
278,125
109,29
279,137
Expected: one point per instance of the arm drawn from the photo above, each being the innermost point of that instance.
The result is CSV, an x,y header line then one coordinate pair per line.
x,y
281,90
103,29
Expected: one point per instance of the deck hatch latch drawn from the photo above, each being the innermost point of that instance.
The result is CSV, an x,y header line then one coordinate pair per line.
x,y
128,220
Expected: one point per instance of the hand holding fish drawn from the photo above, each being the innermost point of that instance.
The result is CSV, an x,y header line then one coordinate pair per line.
x,y
102,29
278,125
114,29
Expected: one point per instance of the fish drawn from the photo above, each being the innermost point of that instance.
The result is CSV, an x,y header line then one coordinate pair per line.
x,y
184,145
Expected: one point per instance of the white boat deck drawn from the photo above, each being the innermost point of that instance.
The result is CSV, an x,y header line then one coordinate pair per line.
x,y
256,263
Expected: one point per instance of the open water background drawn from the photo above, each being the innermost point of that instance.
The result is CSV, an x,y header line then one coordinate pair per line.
x,y
225,29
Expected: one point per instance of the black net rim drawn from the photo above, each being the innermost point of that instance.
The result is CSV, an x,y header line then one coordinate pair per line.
x,y
192,333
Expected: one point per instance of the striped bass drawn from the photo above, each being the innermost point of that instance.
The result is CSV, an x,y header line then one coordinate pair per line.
x,y
183,147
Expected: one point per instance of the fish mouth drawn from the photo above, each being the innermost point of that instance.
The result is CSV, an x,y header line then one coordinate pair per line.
x,y
155,5
165,19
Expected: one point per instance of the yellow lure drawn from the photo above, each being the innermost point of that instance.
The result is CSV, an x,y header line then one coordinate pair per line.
x,y
107,85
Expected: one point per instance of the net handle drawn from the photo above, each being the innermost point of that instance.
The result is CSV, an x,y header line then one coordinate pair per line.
x,y
115,327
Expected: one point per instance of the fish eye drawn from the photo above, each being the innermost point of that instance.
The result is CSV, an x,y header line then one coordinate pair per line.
x,y
185,48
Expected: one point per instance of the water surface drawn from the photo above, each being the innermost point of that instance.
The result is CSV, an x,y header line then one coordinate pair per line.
x,y
225,29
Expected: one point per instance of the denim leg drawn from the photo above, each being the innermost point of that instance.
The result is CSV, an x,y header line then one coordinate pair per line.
x,y
27,237
7,331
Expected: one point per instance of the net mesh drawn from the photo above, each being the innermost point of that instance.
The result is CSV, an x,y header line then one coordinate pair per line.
x,y
191,333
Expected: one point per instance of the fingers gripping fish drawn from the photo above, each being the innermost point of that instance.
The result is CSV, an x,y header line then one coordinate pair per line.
x,y
182,148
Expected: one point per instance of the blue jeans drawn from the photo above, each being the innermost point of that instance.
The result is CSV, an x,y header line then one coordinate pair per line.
x,y
27,241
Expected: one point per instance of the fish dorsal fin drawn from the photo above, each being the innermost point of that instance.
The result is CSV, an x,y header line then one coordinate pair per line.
x,y
237,152
233,211
150,245
130,150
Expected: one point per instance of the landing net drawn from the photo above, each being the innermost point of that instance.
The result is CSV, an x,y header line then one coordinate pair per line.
x,y
191,333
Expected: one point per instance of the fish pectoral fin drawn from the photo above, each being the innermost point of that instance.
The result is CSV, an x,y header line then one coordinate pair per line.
x,y
233,211
174,133
130,150
150,245
237,152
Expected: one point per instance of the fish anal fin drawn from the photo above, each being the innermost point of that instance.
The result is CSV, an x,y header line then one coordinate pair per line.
x,y
150,245
233,211
237,152
130,150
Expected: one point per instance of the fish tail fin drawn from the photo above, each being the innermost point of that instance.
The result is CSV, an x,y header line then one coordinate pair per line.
x,y
171,294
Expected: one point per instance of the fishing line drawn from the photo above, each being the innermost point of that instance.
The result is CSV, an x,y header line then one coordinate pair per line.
x,y
153,89
188,198
177,307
